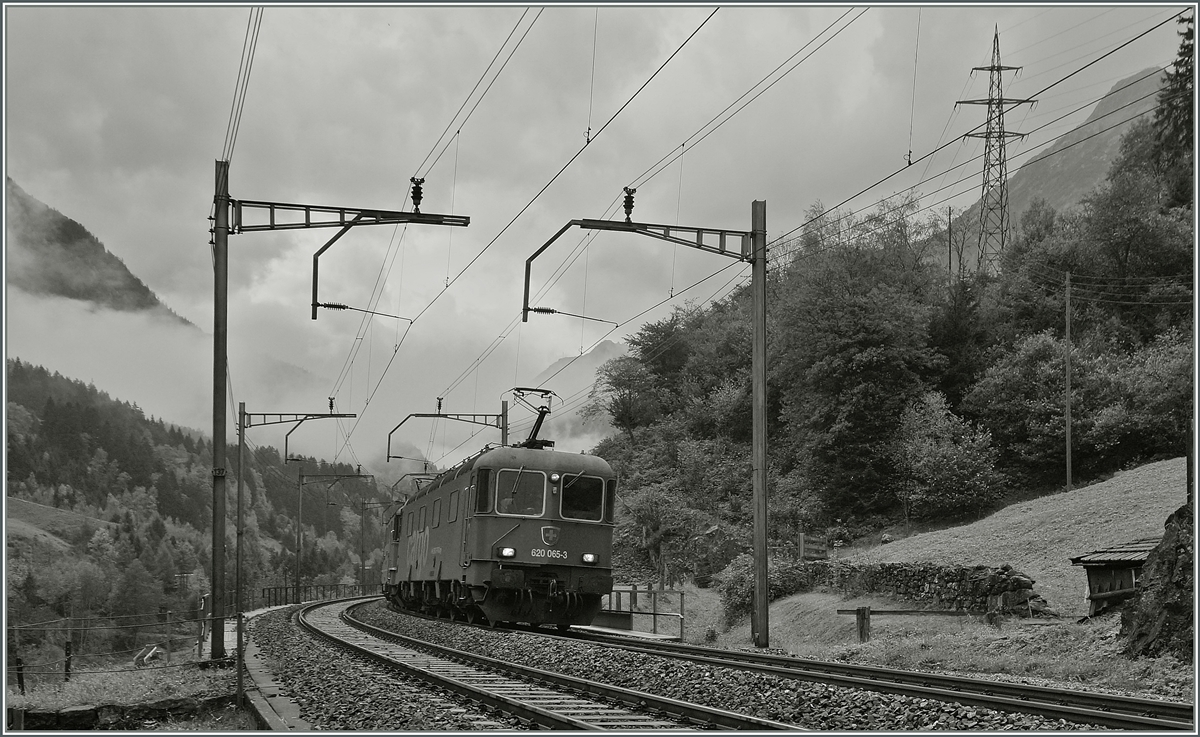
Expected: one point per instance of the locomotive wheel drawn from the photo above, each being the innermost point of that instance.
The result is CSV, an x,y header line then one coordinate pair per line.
x,y
563,627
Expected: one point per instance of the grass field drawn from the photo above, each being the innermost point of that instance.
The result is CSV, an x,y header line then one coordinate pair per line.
x,y
1038,537
46,524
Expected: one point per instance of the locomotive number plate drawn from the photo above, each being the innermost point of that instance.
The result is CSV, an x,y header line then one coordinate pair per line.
x,y
544,553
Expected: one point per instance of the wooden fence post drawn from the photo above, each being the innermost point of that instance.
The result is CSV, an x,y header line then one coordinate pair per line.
x,y
200,633
681,615
170,636
67,663
862,618
20,674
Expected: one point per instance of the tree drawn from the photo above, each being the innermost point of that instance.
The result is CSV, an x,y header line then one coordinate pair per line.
x,y
136,593
655,522
624,390
1173,120
946,466
662,347
855,353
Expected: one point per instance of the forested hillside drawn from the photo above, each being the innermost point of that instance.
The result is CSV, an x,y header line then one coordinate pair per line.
x,y
50,254
73,447
897,391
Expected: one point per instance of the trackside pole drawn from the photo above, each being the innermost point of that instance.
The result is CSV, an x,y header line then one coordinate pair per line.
x,y
220,356
758,228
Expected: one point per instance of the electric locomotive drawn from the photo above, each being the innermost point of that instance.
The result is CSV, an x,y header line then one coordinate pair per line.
x,y
518,533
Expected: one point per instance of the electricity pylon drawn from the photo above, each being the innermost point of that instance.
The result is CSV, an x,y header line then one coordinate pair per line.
x,y
993,205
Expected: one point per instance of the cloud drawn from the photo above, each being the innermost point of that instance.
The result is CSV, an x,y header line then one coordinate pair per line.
x,y
115,116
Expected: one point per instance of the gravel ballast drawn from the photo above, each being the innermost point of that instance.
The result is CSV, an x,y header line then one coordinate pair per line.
x,y
336,690
808,705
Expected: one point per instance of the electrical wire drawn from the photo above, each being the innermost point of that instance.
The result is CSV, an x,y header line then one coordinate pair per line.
x,y
666,160
977,127
1029,151
523,210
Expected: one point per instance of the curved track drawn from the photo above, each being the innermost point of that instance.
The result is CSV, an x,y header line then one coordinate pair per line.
x,y
541,698
1109,710
1084,707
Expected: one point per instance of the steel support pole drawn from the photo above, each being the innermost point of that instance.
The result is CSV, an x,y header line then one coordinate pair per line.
x,y
1067,371
758,228
241,689
299,528
362,564
220,359
504,422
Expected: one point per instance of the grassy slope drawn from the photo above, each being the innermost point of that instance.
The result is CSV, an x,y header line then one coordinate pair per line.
x,y
25,519
1039,536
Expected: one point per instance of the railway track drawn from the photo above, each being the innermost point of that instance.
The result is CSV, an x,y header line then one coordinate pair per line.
x,y
1102,709
1108,710
540,698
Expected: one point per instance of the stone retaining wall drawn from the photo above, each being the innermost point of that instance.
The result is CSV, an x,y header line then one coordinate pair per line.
x,y
977,589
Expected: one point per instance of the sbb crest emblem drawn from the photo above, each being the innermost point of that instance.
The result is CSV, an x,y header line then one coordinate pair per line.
x,y
550,535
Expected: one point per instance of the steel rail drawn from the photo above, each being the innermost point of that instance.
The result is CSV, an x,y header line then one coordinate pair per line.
x,y
520,690
1110,710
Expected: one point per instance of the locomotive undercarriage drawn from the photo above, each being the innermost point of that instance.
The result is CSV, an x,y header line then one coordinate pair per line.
x,y
539,602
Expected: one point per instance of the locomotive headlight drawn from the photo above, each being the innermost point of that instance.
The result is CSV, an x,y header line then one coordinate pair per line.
x,y
589,558
554,478
508,552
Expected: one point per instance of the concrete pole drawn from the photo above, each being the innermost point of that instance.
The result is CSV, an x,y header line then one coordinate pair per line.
x,y
220,359
758,229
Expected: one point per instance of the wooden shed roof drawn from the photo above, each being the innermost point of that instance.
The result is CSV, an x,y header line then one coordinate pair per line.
x,y
1129,553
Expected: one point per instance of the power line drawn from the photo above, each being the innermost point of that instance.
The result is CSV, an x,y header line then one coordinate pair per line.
x,y
467,99
1029,151
381,276
1041,145
665,161
1044,89
526,207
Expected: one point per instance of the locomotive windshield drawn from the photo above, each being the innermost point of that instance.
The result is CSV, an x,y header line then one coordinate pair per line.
x,y
520,492
583,498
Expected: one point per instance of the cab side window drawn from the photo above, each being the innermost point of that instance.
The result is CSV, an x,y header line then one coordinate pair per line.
x,y
396,522
610,499
437,513
452,507
483,491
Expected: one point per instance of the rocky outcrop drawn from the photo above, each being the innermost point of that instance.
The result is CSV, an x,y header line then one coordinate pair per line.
x,y
1159,618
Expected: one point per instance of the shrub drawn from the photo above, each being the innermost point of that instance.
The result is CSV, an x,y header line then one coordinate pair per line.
x,y
735,584
947,467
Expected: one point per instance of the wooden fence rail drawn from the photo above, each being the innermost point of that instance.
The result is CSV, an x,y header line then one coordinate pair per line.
x,y
862,616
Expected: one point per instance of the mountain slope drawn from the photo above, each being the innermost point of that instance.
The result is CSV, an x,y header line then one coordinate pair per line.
x,y
565,424
50,254
1075,164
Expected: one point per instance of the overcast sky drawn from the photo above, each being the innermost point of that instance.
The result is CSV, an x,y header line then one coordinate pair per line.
x,y
115,116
